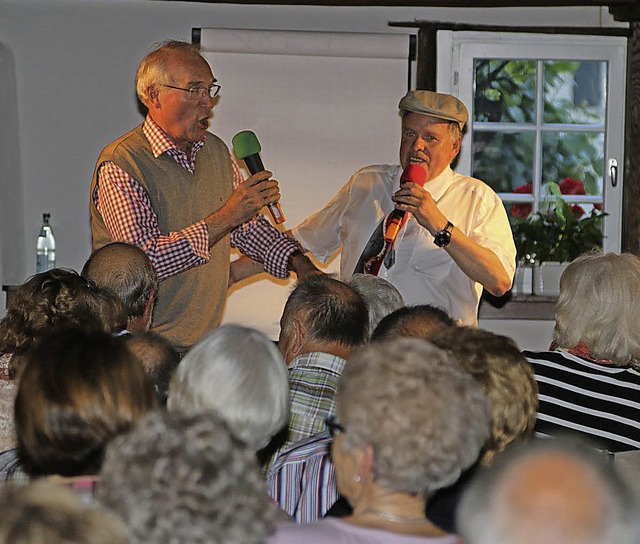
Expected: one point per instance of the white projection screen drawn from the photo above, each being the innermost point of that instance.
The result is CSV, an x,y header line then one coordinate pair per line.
x,y
323,105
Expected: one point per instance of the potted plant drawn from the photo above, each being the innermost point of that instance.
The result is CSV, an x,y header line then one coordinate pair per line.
x,y
552,237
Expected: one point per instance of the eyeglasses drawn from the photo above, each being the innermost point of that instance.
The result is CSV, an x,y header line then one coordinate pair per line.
x,y
198,93
333,426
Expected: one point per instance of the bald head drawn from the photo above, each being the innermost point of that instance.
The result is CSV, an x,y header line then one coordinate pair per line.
x,y
126,271
553,493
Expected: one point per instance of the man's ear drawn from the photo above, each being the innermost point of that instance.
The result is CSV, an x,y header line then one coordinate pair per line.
x,y
153,92
456,146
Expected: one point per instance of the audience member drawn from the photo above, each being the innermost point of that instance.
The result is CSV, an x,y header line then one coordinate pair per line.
x,y
589,380
47,302
186,479
420,321
239,374
45,513
158,357
500,369
302,479
551,492
77,391
322,321
126,271
409,421
380,296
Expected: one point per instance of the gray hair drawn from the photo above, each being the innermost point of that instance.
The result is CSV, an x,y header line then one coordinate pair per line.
x,y
553,491
126,271
44,513
425,418
331,310
240,374
154,68
596,306
188,479
380,296
506,377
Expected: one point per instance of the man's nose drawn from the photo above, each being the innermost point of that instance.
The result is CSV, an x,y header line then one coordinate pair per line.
x,y
418,143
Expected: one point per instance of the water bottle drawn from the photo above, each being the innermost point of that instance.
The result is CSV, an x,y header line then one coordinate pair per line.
x,y
45,247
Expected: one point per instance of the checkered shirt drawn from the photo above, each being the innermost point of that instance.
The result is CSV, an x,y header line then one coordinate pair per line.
x,y
129,216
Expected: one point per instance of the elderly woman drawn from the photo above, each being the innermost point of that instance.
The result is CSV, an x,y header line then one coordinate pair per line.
x,y
179,478
47,302
409,421
77,391
240,374
589,381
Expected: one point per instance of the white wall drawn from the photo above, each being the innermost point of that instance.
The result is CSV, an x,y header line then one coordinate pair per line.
x,y
74,68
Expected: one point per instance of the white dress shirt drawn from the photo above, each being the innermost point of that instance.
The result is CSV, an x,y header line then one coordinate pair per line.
x,y
423,272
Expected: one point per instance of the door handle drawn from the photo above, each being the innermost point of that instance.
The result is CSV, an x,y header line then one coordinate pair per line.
x,y
613,172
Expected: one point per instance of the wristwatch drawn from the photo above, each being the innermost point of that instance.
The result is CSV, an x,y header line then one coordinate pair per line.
x,y
443,237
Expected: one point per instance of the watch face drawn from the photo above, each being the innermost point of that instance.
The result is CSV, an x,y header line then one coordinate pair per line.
x,y
442,238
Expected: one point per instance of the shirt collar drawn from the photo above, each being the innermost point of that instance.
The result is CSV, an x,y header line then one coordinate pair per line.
x,y
438,185
160,141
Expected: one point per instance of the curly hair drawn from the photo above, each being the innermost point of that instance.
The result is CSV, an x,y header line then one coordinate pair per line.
x,y
424,416
43,512
504,374
595,307
76,392
186,478
52,300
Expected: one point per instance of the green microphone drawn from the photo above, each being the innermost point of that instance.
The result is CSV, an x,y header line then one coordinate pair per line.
x,y
247,148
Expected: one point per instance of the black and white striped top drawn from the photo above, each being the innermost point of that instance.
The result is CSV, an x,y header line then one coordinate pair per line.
x,y
596,400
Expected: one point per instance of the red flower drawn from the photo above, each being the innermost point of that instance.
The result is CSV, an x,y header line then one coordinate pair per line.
x,y
571,186
522,210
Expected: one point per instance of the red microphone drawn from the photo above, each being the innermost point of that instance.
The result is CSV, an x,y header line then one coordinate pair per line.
x,y
415,174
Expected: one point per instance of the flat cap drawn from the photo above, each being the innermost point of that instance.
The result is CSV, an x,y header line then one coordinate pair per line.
x,y
440,105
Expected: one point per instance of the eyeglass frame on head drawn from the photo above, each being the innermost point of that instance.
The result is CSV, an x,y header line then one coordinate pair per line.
x,y
333,426
197,92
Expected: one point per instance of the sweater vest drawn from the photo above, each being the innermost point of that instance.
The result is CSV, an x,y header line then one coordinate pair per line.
x,y
189,304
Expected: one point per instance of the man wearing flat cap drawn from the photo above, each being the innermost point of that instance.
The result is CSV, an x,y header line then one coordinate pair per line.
x,y
456,239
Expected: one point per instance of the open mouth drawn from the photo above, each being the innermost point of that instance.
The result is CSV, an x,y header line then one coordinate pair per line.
x,y
204,123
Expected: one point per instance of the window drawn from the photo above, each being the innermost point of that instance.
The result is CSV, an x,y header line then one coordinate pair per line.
x,y
543,109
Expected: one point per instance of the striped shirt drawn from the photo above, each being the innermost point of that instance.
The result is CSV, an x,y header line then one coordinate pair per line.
x,y
578,395
303,479
129,216
313,380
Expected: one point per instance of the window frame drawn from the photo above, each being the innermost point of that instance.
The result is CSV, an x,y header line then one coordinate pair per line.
x,y
457,49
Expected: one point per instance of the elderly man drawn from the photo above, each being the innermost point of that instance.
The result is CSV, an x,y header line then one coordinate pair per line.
x,y
552,492
457,238
322,321
171,187
126,271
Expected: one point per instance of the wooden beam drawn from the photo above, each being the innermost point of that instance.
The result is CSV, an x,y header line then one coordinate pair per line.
x,y
626,13
632,4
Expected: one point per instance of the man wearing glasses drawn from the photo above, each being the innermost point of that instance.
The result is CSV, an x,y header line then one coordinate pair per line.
x,y
172,188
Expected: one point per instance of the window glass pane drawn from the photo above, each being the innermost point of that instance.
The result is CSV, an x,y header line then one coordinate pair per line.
x,y
503,159
576,155
575,92
505,91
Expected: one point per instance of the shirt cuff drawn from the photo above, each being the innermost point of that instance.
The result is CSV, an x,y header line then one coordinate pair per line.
x,y
198,237
277,259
